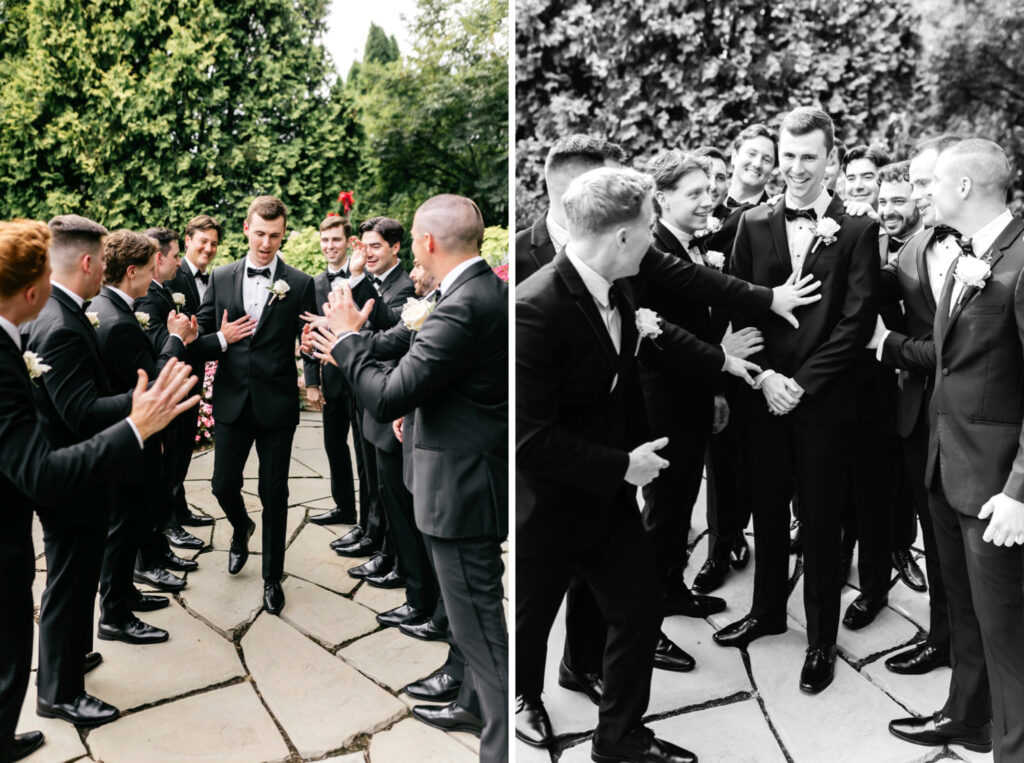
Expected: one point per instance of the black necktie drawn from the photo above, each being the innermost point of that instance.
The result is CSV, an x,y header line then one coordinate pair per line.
x,y
340,274
253,272
614,296
794,214
85,306
204,277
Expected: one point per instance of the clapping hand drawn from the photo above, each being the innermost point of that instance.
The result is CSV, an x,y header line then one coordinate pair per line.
x,y
321,341
155,408
741,368
343,317
396,427
183,327
781,393
644,463
1006,520
793,294
356,260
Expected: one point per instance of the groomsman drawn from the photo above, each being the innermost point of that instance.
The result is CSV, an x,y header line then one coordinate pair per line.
x,y
32,473
975,456
860,169
255,396
718,173
801,436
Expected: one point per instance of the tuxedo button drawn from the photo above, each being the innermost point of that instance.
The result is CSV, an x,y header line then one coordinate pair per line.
x,y
945,372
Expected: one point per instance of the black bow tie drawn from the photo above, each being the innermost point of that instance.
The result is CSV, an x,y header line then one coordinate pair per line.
x,y
85,306
731,203
794,214
253,272
966,248
340,274
895,245
941,231
201,276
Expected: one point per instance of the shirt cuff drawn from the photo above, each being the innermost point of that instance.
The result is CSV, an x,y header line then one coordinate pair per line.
x,y
725,360
354,281
135,429
878,350
346,335
759,379
223,341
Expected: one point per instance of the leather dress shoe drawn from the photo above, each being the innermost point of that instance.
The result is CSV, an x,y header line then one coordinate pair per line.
x,y
179,537
273,597
742,632
937,730
403,614
132,631
160,579
148,603
532,723
390,579
26,744
335,516
796,544
862,612
91,661
819,669
348,538
692,605
641,746
84,710
909,570
668,656
589,684
424,631
191,519
448,718
918,660
437,687
172,561
238,553
711,576
362,547
377,565
739,557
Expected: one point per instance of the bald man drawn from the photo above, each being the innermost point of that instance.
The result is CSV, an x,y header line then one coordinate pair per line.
x,y
975,464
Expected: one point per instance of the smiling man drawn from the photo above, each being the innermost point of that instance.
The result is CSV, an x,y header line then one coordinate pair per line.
x,y
860,169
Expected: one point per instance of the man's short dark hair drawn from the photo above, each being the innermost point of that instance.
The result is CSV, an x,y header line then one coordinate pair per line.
x,y
588,151
711,153
163,237
72,236
669,167
897,172
804,120
756,130
389,229
874,154
123,248
267,207
203,223
938,144
336,221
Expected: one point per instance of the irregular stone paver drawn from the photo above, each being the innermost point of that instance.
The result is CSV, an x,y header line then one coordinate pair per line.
x,y
62,740
222,530
310,557
194,656
226,602
295,469
910,603
396,745
200,498
314,460
524,753
299,688
300,490
394,659
379,599
972,757
921,695
355,757
201,468
330,619
226,725
889,628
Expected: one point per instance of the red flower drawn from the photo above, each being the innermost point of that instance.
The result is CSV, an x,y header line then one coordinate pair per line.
x,y
346,199
333,214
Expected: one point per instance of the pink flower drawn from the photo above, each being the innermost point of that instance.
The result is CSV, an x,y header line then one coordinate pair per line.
x,y
501,271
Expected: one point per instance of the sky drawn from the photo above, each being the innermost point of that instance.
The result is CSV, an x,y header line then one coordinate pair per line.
x,y
348,23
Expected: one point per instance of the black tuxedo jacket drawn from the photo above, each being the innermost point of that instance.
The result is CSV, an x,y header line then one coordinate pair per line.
x,y
262,366
834,330
722,240
534,249
184,282
977,406
157,304
324,375
455,376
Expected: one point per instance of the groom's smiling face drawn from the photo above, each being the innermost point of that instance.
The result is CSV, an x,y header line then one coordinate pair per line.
x,y
802,161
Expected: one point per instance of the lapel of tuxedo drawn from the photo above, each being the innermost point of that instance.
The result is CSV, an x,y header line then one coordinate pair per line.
x,y
188,282
280,273
322,287
837,211
668,243
17,358
237,279
921,258
627,314
992,256
69,306
586,305
119,304
777,229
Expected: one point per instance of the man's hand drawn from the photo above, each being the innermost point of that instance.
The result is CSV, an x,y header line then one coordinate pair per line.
x,y
238,329
315,398
323,340
859,208
781,393
356,260
793,294
644,463
1006,526
396,427
876,338
721,420
341,312
155,408
742,343
179,325
741,368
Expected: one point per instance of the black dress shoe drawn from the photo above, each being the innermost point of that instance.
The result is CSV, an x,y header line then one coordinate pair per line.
x,y
348,538
160,579
191,519
796,544
273,597
378,565
532,723
172,561
693,605
335,516
424,631
26,744
133,631
909,570
362,547
148,603
862,612
742,632
390,579
589,684
438,687
918,660
739,557
403,614
668,656
182,538
937,730
85,710
238,553
448,718
711,576
641,746
819,669
91,661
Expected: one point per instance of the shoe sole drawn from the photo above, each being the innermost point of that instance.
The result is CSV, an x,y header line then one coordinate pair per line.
x,y
820,689
751,641
421,638
133,642
163,588
972,746
703,589
540,744
674,668
385,586
474,730
89,725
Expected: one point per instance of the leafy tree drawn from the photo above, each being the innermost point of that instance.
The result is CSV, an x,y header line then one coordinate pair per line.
x,y
380,49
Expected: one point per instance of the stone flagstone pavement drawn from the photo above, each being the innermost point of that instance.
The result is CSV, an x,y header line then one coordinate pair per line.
x,y
746,707
235,685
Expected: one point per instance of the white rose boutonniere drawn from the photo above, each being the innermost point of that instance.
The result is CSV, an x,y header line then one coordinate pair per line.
x,y
972,271
713,225
35,365
715,260
415,312
648,325
178,298
826,230
94,319
278,290
143,319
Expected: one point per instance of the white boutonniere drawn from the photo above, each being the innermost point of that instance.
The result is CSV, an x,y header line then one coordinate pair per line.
x,y
178,298
715,260
416,311
826,230
648,326
143,319
278,290
94,319
972,271
35,365
713,225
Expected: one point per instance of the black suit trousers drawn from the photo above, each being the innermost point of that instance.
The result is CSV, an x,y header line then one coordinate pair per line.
x,y
188,424
371,511
274,450
813,459
15,650
728,485
128,523
337,418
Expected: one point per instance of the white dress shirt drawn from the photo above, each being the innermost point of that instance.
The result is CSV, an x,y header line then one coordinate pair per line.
x,y
12,332
686,239
77,300
256,290
800,232
200,286
448,280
